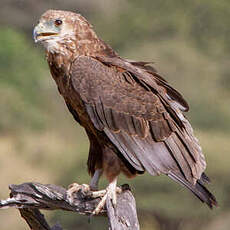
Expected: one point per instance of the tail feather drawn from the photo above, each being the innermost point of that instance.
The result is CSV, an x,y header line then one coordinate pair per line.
x,y
198,189
204,179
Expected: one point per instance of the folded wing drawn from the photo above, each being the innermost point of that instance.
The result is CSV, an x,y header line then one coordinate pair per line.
x,y
142,116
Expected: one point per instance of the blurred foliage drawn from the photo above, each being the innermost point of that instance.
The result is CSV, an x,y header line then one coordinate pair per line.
x,y
20,83
187,40
203,23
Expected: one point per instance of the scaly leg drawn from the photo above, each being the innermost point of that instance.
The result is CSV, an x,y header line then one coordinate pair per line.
x,y
109,193
93,186
95,179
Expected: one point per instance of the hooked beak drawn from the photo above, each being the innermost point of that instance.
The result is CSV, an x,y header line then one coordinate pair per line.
x,y
40,33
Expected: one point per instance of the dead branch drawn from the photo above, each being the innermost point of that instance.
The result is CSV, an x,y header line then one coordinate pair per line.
x,y
30,197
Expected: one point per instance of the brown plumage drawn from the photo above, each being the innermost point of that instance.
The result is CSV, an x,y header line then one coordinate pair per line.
x,y
132,116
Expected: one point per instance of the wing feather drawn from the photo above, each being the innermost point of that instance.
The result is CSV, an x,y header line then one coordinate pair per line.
x,y
139,116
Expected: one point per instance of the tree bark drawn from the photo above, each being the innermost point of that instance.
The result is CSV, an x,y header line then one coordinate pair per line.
x,y
30,197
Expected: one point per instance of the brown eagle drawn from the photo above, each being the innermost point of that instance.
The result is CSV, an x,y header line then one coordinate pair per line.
x,y
132,116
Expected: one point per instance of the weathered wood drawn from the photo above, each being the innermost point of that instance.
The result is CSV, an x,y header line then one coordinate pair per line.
x,y
124,216
30,197
34,218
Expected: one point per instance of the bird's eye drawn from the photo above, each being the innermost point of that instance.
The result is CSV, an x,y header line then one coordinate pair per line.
x,y
58,22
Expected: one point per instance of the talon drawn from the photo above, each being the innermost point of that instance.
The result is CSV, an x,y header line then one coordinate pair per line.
x,y
74,189
85,188
100,205
74,185
109,193
99,193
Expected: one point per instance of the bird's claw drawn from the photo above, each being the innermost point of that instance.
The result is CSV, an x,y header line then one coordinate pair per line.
x,y
106,194
82,191
77,190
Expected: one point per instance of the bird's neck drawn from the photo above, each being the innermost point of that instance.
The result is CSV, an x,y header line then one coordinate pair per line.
x,y
94,47
63,53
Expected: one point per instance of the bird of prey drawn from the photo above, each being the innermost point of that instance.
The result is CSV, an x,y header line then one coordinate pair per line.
x,y
133,118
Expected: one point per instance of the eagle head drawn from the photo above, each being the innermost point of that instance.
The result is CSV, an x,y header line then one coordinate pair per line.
x,y
59,30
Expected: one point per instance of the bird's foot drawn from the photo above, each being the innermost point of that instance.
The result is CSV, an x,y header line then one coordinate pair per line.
x,y
78,190
84,190
109,193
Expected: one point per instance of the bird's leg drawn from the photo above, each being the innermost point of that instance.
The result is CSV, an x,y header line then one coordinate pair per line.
x,y
74,188
95,179
108,193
